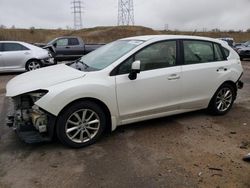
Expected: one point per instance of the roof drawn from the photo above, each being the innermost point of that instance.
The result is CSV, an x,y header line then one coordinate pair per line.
x,y
167,37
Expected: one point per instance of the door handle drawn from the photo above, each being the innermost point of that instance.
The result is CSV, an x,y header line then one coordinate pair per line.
x,y
174,77
221,69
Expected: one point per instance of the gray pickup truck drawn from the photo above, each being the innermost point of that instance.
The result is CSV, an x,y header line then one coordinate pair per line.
x,y
68,48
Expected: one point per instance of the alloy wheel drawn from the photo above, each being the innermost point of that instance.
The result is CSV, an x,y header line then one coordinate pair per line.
x,y
224,99
33,65
82,126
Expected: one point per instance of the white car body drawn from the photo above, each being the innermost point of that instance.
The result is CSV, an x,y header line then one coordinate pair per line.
x,y
15,60
155,93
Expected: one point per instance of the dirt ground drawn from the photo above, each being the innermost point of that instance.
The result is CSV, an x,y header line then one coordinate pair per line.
x,y
188,150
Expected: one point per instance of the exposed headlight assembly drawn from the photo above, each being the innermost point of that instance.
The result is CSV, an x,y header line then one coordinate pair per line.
x,y
36,95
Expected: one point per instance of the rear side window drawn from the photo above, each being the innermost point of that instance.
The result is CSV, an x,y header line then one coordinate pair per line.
x,y
198,52
73,42
202,52
8,47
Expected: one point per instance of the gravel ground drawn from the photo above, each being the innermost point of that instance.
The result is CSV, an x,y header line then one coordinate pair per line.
x,y
188,150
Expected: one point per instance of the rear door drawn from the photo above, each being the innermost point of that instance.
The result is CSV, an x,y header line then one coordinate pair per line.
x,y
76,47
205,69
14,55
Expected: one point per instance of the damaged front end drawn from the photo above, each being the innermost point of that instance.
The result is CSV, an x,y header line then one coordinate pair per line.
x,y
31,123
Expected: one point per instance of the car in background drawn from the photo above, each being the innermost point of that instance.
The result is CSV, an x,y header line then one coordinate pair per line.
x,y
18,56
243,50
68,48
126,81
242,45
230,41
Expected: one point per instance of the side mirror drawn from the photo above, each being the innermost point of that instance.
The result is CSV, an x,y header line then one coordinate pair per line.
x,y
135,69
55,44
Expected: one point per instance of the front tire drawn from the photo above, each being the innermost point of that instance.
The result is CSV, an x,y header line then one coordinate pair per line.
x,y
81,124
33,65
223,100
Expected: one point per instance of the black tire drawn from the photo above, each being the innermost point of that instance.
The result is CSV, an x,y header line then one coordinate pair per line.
x,y
70,115
241,58
215,106
33,64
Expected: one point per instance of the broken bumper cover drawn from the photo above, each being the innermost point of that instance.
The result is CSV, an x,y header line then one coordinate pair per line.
x,y
48,61
28,133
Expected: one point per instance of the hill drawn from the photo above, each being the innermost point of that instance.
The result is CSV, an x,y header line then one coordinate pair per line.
x,y
105,34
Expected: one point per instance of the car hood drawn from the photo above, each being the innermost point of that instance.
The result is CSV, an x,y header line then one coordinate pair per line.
x,y
41,79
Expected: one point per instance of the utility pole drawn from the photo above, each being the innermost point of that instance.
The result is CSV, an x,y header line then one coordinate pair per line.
x,y
78,12
125,12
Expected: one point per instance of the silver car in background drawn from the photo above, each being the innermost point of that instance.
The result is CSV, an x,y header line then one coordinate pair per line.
x,y
18,56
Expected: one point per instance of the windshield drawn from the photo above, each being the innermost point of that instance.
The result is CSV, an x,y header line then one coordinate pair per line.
x,y
51,42
108,54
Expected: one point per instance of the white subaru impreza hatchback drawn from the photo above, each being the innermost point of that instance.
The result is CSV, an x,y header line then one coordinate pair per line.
x,y
126,81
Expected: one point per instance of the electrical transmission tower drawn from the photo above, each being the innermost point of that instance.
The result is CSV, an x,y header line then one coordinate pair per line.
x,y
78,12
126,12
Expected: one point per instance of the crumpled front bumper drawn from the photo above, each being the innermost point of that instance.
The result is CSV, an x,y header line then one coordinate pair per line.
x,y
49,61
28,132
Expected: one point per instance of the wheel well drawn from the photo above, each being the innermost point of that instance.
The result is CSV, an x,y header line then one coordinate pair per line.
x,y
98,102
234,86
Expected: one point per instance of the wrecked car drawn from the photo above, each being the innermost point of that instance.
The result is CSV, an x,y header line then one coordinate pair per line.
x,y
126,81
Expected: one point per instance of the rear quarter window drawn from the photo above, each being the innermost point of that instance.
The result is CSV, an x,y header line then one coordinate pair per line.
x,y
73,42
226,52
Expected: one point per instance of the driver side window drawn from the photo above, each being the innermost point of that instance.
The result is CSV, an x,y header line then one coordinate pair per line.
x,y
62,42
155,56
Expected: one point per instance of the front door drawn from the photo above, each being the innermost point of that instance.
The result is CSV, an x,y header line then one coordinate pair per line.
x,y
156,90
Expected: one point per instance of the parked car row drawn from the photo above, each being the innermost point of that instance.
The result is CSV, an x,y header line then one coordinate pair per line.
x,y
126,81
20,56
243,49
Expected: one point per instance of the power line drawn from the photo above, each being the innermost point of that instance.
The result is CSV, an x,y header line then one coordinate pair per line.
x,y
78,12
126,12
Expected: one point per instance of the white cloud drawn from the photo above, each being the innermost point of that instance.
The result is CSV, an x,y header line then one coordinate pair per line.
x,y
178,14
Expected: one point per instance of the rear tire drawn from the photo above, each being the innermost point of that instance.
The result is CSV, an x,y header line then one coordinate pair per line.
x,y
33,65
81,124
223,100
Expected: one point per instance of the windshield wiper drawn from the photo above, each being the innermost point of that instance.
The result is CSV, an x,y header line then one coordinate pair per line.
x,y
86,66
